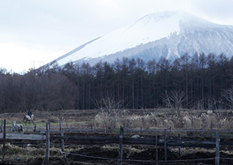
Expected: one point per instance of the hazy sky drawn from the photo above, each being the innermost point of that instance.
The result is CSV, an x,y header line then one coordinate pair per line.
x,y
34,32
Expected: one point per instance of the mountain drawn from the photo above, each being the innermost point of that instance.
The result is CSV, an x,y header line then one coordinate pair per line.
x,y
169,34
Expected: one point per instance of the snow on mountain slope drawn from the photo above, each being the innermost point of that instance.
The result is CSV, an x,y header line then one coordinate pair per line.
x,y
167,34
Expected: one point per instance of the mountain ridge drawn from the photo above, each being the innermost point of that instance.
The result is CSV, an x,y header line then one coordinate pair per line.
x,y
166,34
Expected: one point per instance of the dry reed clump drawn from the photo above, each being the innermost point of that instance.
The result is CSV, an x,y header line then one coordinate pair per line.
x,y
109,148
103,120
110,118
100,120
186,120
128,150
193,151
137,121
148,121
14,152
52,119
195,122
225,124
204,120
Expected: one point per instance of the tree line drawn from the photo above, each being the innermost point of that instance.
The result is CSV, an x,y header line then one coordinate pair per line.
x,y
203,81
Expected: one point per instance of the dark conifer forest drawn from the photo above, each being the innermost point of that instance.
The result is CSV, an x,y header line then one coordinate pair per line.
x,y
204,81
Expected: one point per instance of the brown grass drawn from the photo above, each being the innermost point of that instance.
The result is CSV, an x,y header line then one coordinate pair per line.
x,y
187,120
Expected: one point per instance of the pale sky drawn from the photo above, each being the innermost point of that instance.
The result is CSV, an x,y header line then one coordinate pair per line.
x,y
35,32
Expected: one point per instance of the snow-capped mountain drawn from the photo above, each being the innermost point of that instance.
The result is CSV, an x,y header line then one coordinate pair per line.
x,y
168,34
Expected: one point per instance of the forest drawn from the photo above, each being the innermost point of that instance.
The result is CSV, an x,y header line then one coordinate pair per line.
x,y
196,82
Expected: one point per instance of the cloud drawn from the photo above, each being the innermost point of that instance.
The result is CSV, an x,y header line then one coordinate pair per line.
x,y
57,25
19,58
216,10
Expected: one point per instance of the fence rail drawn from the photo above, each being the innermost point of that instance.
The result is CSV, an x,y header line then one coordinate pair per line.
x,y
161,139
17,136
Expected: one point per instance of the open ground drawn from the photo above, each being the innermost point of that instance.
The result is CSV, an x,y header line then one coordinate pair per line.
x,y
27,152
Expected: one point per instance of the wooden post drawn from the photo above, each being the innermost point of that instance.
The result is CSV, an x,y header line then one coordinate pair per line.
x,y
192,121
127,126
217,148
62,141
179,146
62,135
202,131
165,145
47,143
211,127
4,140
34,128
120,146
170,132
156,149
2,124
60,125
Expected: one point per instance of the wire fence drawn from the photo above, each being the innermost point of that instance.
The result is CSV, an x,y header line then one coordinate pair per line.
x,y
157,142
147,161
162,138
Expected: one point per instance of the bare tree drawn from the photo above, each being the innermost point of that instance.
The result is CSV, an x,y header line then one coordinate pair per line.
x,y
111,110
228,96
167,100
174,99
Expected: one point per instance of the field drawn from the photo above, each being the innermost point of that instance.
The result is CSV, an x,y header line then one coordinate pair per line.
x,y
28,152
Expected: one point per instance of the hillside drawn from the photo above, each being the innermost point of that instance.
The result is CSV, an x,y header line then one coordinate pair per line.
x,y
166,34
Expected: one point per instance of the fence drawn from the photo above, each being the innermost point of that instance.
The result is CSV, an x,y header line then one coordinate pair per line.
x,y
161,139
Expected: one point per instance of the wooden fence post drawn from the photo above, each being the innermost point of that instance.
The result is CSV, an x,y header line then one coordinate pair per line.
x,y
60,125
62,141
4,140
170,132
120,146
62,135
2,124
179,146
47,143
217,148
165,145
211,128
202,131
156,149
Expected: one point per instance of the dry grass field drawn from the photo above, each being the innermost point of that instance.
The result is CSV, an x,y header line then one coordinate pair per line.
x,y
25,152
145,118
